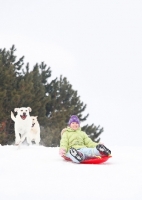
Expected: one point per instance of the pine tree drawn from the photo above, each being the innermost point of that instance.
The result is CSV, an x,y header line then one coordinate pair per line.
x,y
93,131
9,69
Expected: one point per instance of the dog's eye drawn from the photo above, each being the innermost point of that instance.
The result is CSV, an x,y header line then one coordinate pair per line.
x,y
22,110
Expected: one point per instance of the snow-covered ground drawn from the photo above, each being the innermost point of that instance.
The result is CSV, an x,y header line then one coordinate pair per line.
x,y
39,173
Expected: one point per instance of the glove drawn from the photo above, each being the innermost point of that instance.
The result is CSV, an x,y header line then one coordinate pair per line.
x,y
62,152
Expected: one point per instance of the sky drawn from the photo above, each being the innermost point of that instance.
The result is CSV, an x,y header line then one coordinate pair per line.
x,y
38,172
97,45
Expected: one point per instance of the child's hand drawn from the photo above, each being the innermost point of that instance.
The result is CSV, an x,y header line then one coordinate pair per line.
x,y
62,152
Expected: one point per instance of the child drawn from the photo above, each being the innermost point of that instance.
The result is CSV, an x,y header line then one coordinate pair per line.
x,y
76,145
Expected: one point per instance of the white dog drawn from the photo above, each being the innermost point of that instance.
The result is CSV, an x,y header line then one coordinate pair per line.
x,y
34,134
23,124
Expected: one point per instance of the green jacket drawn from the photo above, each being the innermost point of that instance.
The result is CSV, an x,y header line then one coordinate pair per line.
x,y
75,138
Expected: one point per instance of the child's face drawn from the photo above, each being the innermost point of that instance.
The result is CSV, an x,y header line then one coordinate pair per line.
x,y
74,125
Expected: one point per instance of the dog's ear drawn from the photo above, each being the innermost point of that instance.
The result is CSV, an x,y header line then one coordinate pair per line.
x,y
29,109
16,109
36,116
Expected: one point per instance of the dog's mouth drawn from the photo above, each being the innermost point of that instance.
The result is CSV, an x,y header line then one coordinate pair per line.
x,y
23,116
33,124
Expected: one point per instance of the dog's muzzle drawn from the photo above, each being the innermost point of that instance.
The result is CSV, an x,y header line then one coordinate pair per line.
x,y
23,116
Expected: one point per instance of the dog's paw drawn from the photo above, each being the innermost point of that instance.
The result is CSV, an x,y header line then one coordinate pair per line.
x,y
17,143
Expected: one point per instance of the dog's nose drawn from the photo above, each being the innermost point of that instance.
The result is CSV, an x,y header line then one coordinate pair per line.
x,y
24,113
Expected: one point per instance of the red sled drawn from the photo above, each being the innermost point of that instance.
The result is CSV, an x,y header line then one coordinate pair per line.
x,y
94,160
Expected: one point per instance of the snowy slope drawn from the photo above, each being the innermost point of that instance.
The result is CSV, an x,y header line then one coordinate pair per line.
x,y
39,173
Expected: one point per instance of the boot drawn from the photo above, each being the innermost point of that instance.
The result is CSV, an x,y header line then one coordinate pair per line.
x,y
103,150
76,154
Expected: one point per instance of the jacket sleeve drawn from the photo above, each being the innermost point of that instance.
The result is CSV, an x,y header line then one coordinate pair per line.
x,y
88,142
64,141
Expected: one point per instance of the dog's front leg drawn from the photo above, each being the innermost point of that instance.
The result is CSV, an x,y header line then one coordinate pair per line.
x,y
23,137
29,140
17,138
37,140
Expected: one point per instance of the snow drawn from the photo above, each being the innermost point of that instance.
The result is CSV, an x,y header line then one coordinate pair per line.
x,y
39,173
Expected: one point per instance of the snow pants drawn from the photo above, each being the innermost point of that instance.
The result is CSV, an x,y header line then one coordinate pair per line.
x,y
86,152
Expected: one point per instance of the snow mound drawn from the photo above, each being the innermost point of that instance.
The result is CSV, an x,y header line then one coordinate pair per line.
x,y
39,173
